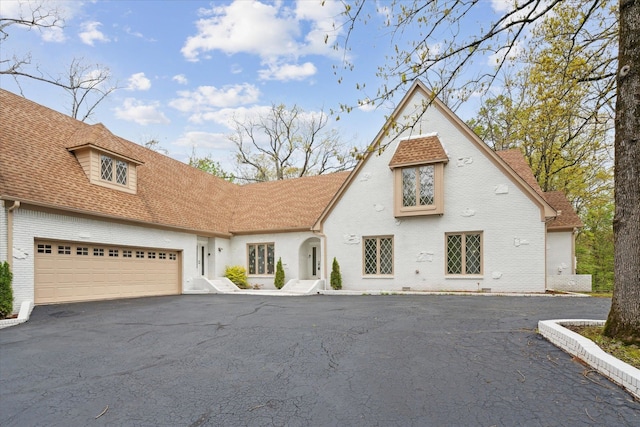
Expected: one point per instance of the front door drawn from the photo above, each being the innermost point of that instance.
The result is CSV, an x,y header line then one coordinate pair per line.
x,y
315,262
201,259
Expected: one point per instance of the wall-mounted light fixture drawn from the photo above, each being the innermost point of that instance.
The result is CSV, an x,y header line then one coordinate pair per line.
x,y
219,249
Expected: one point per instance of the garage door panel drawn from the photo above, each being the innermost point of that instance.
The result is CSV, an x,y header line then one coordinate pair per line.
x,y
69,272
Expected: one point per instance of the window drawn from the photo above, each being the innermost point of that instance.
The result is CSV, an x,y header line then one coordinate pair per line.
x,y
126,253
162,255
113,252
261,258
173,257
82,251
378,256
419,190
44,249
113,170
64,250
98,252
139,254
464,253
151,255
121,172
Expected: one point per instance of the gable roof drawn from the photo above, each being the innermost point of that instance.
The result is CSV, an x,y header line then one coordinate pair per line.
x,y
287,205
567,218
38,168
546,211
516,161
418,150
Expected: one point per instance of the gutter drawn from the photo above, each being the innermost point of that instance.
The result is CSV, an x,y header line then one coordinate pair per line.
x,y
16,205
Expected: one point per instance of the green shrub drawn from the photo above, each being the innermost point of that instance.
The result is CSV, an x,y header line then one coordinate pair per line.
x,y
238,275
279,280
6,292
336,277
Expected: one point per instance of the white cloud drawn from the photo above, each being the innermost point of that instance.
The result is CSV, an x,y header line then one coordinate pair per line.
x,y
138,81
208,98
51,12
207,140
181,79
286,72
90,33
270,31
228,116
504,53
366,105
136,111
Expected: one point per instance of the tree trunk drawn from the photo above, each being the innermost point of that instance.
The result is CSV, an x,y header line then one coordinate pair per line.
x,y
624,318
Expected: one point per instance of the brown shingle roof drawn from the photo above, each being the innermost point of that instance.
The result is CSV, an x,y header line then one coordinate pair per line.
x,y
567,216
36,166
284,205
518,163
425,149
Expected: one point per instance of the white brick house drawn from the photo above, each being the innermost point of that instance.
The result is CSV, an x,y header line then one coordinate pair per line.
x,y
87,215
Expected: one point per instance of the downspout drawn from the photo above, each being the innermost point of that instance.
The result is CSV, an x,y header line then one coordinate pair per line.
x,y
324,256
16,205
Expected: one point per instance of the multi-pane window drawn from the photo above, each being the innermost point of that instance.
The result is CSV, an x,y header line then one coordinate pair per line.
x,y
113,252
64,250
106,168
173,257
44,249
139,254
121,172
464,253
113,170
418,186
378,255
82,251
98,252
162,255
151,255
261,258
126,253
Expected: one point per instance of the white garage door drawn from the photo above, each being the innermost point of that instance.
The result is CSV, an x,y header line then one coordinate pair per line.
x,y
68,272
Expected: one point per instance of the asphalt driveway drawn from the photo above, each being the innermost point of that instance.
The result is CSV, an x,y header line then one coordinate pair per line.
x,y
239,360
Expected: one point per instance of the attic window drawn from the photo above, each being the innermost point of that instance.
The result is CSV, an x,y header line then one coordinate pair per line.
x,y
418,169
113,170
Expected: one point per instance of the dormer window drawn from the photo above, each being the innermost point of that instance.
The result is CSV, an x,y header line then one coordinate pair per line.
x,y
108,169
113,170
418,169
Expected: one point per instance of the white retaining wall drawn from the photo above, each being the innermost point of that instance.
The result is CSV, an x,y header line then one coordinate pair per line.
x,y
570,282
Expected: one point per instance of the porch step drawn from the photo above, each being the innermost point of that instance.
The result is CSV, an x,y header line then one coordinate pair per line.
x,y
304,287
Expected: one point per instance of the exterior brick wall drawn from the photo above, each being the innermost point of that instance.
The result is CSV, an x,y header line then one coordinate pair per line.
x,y
570,282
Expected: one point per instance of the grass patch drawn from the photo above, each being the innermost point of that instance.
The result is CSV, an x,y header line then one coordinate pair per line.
x,y
627,353
600,294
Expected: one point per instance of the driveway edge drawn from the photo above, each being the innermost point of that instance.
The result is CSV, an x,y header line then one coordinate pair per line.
x,y
23,315
621,373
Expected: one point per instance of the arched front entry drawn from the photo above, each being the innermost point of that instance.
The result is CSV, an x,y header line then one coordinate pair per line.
x,y
310,260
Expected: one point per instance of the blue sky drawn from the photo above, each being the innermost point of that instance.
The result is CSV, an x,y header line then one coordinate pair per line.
x,y
187,67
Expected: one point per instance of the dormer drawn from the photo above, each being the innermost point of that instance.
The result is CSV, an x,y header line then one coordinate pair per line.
x,y
100,156
418,174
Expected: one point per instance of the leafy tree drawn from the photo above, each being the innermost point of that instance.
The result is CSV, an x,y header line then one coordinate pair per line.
x,y
6,291
288,143
85,83
210,166
279,279
594,246
597,26
336,276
